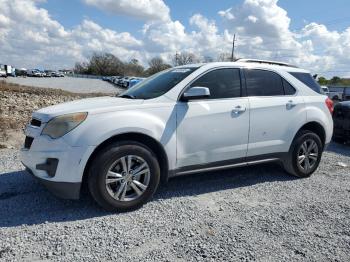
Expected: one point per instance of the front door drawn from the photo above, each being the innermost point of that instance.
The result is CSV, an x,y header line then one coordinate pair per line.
x,y
213,131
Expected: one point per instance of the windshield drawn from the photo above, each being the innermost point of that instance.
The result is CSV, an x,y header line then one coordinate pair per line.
x,y
159,83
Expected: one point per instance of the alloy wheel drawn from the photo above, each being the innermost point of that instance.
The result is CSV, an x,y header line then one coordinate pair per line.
x,y
308,155
127,178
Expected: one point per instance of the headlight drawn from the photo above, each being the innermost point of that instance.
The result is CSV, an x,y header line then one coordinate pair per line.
x,y
61,125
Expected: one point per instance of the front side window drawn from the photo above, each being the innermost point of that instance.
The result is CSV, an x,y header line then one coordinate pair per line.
x,y
158,84
222,83
264,83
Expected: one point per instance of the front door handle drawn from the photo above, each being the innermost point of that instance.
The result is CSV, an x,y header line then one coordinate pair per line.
x,y
238,110
290,104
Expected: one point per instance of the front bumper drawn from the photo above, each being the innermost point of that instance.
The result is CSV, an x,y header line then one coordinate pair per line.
x,y
60,189
56,164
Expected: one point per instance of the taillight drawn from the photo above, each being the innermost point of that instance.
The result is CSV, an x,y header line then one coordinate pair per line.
x,y
329,104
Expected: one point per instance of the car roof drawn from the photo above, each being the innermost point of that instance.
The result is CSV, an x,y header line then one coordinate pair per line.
x,y
245,64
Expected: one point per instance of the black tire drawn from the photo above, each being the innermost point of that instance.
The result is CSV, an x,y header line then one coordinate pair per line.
x,y
290,163
101,164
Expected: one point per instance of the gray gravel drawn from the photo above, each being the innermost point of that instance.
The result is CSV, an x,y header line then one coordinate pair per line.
x,y
71,84
257,213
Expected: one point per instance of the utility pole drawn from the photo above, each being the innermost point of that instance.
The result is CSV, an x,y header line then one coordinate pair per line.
x,y
233,48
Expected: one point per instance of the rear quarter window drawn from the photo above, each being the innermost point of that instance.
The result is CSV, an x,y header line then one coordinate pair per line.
x,y
308,80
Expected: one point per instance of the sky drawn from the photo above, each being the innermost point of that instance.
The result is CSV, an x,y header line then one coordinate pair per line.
x,y
54,34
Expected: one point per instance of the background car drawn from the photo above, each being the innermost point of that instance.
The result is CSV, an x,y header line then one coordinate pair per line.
x,y
2,71
336,92
325,90
346,94
135,81
341,119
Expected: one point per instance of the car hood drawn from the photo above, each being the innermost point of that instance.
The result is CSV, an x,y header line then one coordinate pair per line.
x,y
90,105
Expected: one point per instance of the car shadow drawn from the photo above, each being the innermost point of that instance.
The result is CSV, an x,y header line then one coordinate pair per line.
x,y
23,201
342,149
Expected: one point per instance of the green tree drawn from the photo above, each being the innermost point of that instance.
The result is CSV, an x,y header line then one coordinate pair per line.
x,y
335,80
322,81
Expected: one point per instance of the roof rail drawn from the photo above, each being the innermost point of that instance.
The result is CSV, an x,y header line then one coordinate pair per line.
x,y
264,62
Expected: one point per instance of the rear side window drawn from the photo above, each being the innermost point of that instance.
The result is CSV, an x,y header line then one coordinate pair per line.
x,y
264,83
222,83
308,80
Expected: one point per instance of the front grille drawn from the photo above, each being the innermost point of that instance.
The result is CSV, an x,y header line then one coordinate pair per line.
x,y
28,142
35,122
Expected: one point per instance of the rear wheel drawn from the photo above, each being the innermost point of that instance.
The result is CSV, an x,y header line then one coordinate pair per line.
x,y
304,155
124,176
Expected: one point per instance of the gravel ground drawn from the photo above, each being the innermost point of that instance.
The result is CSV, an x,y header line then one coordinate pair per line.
x,y
256,213
71,84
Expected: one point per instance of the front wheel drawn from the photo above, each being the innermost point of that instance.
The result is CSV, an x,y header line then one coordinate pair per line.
x,y
304,155
124,176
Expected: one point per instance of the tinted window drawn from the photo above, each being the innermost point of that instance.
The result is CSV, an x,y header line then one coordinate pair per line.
x,y
347,91
308,80
159,84
263,83
222,83
288,88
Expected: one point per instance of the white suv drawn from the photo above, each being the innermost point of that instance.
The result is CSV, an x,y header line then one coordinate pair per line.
x,y
184,120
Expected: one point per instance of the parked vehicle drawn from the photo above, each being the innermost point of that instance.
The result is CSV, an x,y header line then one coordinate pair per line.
x,y
2,71
325,90
124,81
35,73
183,120
336,92
106,78
341,118
117,79
135,81
346,94
8,70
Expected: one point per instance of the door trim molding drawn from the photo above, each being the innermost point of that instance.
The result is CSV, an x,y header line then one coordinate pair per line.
x,y
226,164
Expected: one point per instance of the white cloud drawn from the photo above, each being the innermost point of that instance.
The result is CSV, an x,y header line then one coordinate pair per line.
x,y
263,31
30,37
149,10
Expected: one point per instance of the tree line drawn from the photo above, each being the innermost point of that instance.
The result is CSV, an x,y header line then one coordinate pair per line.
x,y
106,64
334,81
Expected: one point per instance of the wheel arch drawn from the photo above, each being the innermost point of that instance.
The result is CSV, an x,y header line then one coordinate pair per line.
x,y
316,128
146,140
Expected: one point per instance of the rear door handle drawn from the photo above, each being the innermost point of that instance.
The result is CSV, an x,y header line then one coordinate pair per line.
x,y
238,110
290,104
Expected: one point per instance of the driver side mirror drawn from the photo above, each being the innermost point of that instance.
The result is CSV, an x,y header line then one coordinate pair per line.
x,y
196,92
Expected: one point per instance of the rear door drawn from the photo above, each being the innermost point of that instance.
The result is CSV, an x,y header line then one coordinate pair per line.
x,y
276,112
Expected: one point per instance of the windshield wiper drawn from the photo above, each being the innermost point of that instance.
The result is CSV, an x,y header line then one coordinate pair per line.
x,y
127,96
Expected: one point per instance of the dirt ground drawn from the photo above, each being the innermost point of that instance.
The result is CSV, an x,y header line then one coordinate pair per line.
x,y
17,104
